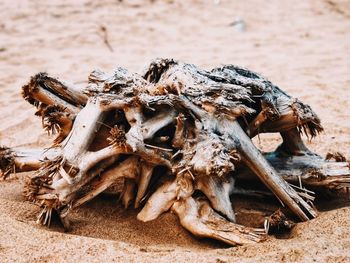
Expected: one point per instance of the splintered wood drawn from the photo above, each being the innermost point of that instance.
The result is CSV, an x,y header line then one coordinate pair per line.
x,y
179,137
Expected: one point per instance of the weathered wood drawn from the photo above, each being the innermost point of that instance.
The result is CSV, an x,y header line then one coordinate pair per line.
x,y
305,171
201,220
100,184
51,91
176,135
258,164
13,160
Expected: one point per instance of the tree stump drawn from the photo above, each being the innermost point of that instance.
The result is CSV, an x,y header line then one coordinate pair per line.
x,y
180,137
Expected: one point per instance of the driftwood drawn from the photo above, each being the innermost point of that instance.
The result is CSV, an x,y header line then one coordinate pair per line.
x,y
179,136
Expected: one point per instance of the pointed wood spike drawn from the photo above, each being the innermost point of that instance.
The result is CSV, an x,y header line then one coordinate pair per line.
x,y
253,158
144,180
159,202
218,190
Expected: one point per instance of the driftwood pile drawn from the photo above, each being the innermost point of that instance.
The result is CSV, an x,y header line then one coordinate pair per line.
x,y
179,136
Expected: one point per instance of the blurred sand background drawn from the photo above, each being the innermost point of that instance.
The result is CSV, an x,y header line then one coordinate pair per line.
x,y
302,46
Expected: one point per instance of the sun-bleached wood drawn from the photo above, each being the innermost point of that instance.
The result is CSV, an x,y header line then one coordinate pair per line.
x,y
179,137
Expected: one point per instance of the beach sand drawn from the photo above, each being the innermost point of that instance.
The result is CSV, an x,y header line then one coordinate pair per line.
x,y
301,46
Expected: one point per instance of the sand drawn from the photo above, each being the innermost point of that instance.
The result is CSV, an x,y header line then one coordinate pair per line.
x,y
302,46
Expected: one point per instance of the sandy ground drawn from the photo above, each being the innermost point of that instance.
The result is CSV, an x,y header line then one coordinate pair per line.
x,y
302,46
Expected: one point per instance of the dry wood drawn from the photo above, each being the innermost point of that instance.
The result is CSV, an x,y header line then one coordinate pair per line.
x,y
305,171
176,135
